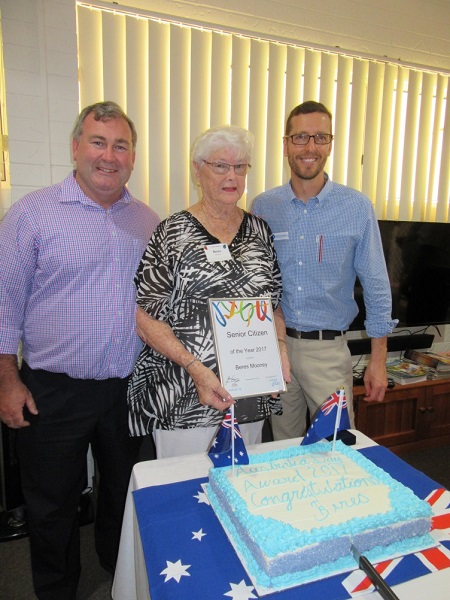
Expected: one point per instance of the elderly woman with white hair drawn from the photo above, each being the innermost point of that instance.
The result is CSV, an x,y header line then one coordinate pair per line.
x,y
175,392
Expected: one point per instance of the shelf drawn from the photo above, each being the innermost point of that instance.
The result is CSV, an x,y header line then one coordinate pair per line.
x,y
411,417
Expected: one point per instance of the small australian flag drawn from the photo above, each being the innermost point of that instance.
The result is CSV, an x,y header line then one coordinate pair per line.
x,y
324,423
220,451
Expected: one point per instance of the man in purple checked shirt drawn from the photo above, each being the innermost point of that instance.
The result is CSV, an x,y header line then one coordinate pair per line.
x,y
68,255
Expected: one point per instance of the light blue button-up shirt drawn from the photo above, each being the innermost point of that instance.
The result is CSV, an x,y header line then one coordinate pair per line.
x,y
322,245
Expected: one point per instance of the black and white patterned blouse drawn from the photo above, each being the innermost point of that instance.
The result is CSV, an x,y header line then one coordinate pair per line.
x,y
174,282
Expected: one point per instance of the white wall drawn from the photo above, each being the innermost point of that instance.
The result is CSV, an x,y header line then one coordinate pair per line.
x,y
40,55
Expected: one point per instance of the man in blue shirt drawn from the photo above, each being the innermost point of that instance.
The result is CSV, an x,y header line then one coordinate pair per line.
x,y
325,235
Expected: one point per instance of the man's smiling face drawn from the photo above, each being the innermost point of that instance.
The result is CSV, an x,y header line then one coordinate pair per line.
x,y
104,157
308,162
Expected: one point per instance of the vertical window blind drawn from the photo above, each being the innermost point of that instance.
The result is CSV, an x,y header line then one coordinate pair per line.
x,y
3,136
391,122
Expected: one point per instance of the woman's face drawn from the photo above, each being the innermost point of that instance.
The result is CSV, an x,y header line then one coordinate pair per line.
x,y
224,188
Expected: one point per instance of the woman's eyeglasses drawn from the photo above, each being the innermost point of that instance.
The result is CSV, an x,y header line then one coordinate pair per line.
x,y
220,168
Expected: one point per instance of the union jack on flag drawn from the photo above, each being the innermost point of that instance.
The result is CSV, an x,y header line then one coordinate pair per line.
x,y
332,402
227,424
426,561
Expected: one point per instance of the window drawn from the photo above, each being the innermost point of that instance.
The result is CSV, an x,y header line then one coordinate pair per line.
x,y
3,136
391,123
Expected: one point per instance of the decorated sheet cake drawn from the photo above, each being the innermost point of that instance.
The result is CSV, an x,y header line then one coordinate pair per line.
x,y
293,514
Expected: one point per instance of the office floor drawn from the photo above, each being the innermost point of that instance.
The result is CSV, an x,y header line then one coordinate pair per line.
x,y
434,462
15,570
95,583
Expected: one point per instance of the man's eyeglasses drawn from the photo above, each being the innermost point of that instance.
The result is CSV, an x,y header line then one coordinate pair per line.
x,y
301,139
220,168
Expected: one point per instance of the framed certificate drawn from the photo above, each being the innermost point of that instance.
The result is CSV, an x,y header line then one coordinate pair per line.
x,y
246,344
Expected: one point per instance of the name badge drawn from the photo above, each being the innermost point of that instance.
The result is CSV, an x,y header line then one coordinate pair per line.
x,y
280,235
217,252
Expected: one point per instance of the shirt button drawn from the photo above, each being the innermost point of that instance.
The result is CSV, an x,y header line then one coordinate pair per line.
x,y
299,288
305,211
302,237
300,263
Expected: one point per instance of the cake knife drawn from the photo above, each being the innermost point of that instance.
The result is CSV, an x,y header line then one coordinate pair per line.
x,y
381,586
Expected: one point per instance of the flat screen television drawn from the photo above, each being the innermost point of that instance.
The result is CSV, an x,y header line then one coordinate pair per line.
x,y
418,262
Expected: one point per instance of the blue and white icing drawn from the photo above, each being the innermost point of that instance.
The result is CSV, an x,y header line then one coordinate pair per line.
x,y
293,514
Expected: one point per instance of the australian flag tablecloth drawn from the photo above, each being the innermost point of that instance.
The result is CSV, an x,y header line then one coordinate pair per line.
x,y
188,554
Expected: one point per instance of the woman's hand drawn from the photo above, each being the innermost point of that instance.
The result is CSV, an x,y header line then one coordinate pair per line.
x,y
209,389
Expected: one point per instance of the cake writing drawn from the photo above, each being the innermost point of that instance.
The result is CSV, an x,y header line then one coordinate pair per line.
x,y
311,490
316,487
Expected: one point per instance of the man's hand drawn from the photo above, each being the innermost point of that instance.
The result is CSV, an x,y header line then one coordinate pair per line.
x,y
375,377
375,381
14,395
285,363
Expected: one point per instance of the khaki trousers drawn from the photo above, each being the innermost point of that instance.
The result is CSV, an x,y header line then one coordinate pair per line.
x,y
318,368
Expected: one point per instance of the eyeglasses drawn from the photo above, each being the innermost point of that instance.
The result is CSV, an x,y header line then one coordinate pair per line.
x,y
301,139
220,168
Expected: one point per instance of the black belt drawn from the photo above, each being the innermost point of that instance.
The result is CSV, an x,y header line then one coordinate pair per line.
x,y
323,334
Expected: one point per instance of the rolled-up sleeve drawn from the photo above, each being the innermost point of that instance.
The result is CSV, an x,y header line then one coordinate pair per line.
x,y
18,248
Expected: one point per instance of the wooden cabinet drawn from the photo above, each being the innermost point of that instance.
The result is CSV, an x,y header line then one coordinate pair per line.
x,y
411,417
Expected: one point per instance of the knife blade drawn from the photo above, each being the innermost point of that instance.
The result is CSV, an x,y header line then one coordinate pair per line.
x,y
385,591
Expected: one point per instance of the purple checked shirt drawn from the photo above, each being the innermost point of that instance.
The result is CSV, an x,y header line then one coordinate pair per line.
x,y
66,281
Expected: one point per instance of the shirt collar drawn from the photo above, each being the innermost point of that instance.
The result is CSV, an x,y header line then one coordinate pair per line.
x,y
321,196
71,192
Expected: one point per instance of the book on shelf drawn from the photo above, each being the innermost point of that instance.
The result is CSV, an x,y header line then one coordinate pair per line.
x,y
443,360
405,371
438,374
440,361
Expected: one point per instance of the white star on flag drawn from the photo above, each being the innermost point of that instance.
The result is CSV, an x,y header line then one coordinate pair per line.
x,y
175,571
197,535
240,591
202,498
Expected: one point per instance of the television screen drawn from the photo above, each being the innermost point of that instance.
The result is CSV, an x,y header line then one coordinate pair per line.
x,y
418,262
